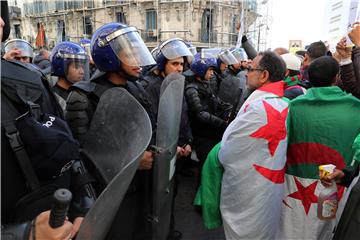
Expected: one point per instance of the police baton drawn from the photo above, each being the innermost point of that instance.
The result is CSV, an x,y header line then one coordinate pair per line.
x,y
60,207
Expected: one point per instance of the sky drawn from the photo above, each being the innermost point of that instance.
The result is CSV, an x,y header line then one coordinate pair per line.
x,y
296,20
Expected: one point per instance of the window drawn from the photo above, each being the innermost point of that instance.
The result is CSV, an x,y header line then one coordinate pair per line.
x,y
87,27
17,31
207,32
151,19
234,31
61,35
60,5
120,17
151,25
38,7
252,5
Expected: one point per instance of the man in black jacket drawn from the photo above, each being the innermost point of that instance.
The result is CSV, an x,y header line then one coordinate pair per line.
x,y
207,113
118,52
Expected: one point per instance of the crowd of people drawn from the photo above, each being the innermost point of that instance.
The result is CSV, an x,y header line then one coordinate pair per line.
x,y
258,124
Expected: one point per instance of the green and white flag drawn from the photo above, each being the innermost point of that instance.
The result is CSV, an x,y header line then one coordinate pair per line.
x,y
322,126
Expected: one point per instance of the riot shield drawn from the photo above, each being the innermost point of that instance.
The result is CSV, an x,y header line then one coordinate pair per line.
x,y
167,133
229,88
119,134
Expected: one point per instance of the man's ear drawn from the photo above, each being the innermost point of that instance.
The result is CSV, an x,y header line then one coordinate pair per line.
x,y
306,60
264,77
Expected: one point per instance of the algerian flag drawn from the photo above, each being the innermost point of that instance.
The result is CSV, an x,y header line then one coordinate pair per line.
x,y
208,194
253,153
322,126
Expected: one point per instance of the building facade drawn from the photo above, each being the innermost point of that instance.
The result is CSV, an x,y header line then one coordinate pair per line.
x,y
205,23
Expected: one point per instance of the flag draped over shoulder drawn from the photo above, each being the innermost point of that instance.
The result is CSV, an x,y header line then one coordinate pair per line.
x,y
253,152
322,126
208,194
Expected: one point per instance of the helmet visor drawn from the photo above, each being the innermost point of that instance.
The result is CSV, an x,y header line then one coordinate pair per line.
x,y
210,53
240,54
87,48
24,47
176,48
193,50
228,58
224,55
76,67
154,52
131,50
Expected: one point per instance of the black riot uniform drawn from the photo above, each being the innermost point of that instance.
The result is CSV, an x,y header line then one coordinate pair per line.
x,y
207,114
232,89
153,90
23,86
131,222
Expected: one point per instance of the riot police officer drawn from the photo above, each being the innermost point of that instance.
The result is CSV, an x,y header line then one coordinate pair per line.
x,y
119,53
18,49
70,63
232,88
85,43
207,113
171,56
25,192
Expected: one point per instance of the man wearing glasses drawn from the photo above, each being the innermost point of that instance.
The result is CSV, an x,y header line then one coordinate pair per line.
x,y
253,154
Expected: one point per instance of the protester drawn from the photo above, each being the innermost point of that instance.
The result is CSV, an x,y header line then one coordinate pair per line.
x,y
349,60
322,125
314,51
292,76
280,51
252,153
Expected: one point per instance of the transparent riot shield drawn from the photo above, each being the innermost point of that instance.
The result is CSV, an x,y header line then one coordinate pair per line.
x,y
119,134
167,134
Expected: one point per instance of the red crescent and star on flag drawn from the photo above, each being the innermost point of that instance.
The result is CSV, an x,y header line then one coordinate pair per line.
x,y
315,154
273,131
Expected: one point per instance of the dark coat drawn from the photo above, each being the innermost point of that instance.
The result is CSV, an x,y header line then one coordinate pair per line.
x,y
349,224
350,74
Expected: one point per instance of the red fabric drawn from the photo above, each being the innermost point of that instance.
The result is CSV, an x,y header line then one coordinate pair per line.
x,y
40,38
276,88
274,131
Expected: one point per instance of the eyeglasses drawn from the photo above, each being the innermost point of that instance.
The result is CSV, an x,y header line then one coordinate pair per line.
x,y
250,69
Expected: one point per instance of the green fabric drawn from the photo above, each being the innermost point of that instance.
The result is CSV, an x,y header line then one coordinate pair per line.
x,y
292,81
208,194
324,116
356,148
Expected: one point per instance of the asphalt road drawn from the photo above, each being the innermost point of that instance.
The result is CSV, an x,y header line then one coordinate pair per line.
x,y
187,220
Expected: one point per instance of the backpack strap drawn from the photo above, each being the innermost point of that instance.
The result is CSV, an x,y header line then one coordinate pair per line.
x,y
16,143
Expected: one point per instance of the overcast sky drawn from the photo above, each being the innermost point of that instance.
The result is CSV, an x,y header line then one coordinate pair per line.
x,y
297,20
